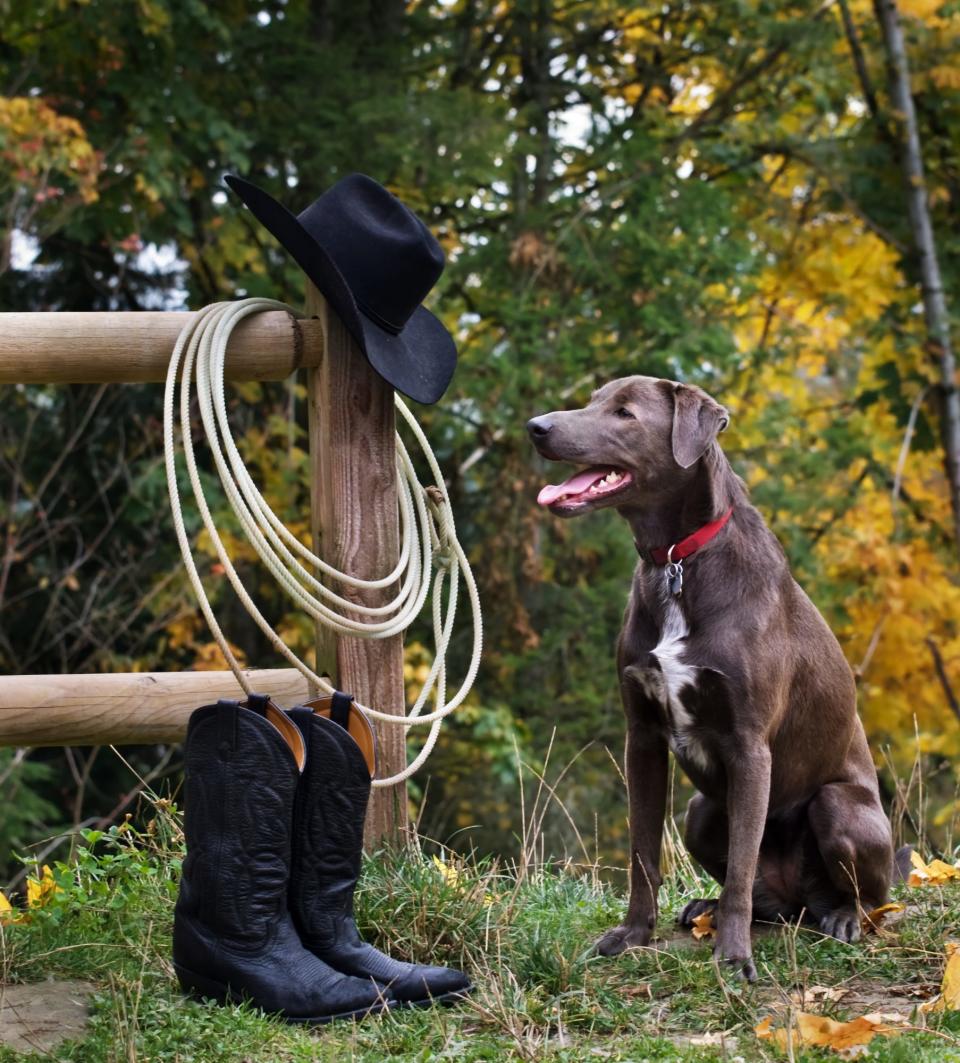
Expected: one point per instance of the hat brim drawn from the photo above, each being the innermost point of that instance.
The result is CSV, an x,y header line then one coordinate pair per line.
x,y
418,361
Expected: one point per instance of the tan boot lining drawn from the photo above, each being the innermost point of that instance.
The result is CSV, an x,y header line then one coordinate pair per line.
x,y
290,731
359,730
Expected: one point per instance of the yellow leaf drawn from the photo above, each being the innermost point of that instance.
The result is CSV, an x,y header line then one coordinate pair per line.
x,y
450,874
704,927
9,914
949,998
452,877
936,873
40,891
818,1030
872,921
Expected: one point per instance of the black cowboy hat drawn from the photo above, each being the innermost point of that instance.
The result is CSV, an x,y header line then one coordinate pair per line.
x,y
375,261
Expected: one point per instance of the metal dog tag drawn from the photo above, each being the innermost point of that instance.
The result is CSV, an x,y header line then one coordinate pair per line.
x,y
675,578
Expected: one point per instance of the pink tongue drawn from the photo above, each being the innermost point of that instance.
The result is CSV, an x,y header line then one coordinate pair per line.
x,y
574,486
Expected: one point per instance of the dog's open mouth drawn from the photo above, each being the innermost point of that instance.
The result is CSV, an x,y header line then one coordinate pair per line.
x,y
584,488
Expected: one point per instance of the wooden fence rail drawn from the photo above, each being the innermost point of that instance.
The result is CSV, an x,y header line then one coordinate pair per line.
x,y
128,708
134,347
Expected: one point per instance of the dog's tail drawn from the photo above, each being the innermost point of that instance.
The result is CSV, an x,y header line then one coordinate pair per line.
x,y
901,863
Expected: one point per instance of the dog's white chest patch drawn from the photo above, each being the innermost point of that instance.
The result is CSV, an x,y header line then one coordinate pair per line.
x,y
667,683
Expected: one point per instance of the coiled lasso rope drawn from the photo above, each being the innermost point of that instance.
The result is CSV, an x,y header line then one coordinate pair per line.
x,y
429,547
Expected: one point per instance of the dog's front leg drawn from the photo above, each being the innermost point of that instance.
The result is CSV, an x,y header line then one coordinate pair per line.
x,y
748,797
646,771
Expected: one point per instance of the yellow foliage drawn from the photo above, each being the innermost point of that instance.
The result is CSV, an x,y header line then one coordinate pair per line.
x,y
817,305
695,96
44,155
949,998
209,657
40,891
8,914
945,77
416,667
921,9
453,877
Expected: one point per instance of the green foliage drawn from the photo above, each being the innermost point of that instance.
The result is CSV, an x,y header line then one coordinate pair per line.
x,y
24,811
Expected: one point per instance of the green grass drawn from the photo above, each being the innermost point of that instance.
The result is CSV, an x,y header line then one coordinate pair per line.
x,y
525,936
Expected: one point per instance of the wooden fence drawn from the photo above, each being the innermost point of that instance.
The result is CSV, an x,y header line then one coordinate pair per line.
x,y
353,494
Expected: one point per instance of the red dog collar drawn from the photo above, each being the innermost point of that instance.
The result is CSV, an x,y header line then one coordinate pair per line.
x,y
663,555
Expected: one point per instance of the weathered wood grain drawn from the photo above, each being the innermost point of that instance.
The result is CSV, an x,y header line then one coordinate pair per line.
x,y
356,528
132,708
134,347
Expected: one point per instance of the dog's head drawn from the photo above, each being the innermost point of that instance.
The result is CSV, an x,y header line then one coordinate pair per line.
x,y
636,438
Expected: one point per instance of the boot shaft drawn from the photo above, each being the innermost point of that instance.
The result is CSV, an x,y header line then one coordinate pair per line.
x,y
329,813
239,790
327,846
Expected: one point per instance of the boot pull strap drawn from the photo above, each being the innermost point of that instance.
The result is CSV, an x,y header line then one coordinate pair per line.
x,y
258,703
227,724
340,709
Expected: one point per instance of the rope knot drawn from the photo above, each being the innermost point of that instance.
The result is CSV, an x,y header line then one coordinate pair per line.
x,y
444,556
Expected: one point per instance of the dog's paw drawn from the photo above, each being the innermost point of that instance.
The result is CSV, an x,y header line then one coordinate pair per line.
x,y
621,938
736,964
732,952
842,924
694,909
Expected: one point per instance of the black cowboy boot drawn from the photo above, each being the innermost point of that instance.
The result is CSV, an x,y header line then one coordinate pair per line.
x,y
327,845
233,938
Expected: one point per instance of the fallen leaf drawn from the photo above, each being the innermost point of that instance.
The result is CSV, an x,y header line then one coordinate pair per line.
x,y
818,1030
822,994
949,998
704,1039
872,921
704,927
936,873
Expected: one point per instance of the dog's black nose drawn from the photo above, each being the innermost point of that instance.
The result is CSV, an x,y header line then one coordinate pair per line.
x,y
539,427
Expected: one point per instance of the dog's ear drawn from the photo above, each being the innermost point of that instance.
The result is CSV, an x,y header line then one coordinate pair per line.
x,y
697,421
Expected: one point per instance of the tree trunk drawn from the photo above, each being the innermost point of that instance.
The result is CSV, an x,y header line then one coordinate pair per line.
x,y
934,303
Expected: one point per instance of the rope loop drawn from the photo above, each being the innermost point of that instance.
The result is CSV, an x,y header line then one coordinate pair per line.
x,y
430,553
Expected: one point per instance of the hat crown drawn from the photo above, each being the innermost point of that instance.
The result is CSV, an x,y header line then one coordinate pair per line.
x,y
387,256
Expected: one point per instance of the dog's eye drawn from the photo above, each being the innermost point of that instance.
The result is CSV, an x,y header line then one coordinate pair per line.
x,y
625,413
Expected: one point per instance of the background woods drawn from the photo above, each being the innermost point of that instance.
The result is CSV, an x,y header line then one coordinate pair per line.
x,y
708,191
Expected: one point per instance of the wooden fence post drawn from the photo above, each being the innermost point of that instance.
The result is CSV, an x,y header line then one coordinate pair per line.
x,y
356,528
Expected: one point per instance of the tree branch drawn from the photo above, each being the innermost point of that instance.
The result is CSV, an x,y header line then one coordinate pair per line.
x,y
943,677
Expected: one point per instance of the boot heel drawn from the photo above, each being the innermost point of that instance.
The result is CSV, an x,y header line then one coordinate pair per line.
x,y
197,987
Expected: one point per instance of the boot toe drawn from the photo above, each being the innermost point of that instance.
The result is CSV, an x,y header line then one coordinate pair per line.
x,y
427,985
